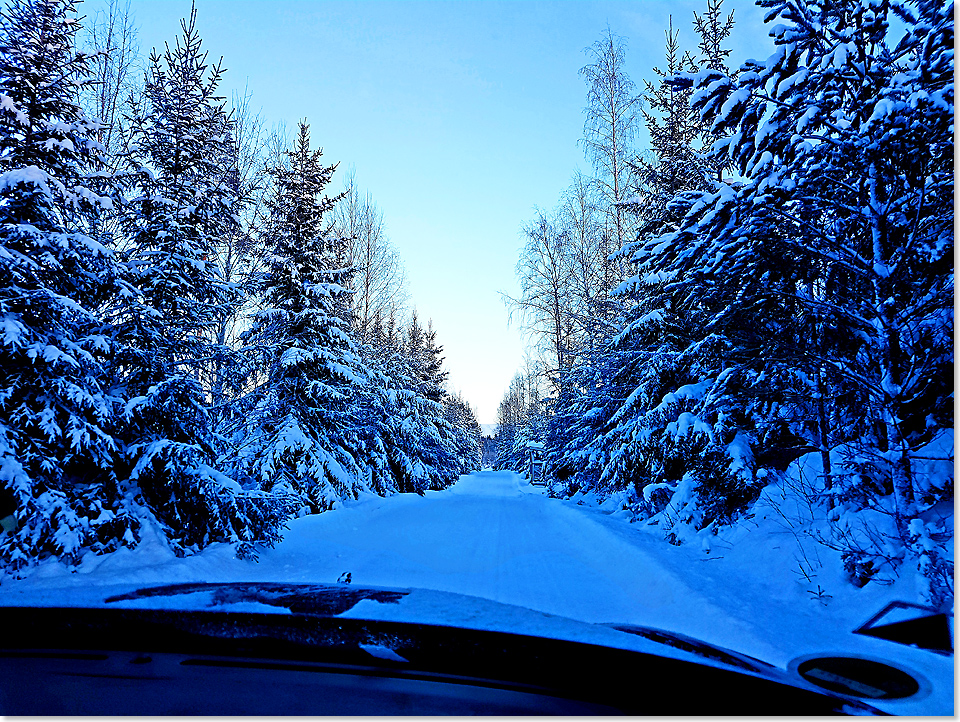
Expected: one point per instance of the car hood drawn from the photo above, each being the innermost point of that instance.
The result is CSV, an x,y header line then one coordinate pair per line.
x,y
388,604
410,606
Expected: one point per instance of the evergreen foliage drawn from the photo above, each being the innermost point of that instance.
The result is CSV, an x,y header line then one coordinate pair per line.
x,y
791,291
772,277
303,434
122,291
419,436
633,423
56,451
844,137
467,434
180,206
673,163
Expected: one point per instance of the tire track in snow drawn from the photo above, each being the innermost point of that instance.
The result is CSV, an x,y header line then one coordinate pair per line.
x,y
554,557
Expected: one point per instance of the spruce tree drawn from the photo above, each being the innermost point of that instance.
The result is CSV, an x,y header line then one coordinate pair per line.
x,y
56,451
427,361
426,433
667,419
180,206
467,433
673,163
845,139
304,437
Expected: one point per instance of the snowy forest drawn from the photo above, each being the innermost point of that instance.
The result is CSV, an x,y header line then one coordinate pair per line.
x,y
743,309
204,336
750,298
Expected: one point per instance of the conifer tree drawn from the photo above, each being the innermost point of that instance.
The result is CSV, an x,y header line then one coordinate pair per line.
x,y
429,364
713,29
467,433
56,452
673,163
845,139
651,424
180,206
304,437
429,436
418,435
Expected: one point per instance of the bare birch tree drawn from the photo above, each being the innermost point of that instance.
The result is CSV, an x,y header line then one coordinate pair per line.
x,y
612,120
117,68
580,216
544,304
379,280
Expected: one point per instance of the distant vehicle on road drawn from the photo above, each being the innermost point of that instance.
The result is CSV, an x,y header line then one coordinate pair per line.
x,y
535,463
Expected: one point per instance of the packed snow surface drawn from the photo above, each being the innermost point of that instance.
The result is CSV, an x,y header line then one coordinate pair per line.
x,y
494,536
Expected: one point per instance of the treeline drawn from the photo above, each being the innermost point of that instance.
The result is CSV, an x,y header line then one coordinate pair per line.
x,y
199,340
771,277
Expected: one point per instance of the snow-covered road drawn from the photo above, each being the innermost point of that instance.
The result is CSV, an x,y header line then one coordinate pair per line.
x,y
490,535
494,536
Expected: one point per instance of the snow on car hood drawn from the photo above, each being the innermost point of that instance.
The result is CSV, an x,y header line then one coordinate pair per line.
x,y
448,609
412,606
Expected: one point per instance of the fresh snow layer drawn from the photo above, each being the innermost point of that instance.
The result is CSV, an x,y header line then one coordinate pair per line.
x,y
494,536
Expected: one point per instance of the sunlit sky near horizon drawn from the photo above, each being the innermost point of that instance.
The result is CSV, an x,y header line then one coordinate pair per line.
x,y
460,118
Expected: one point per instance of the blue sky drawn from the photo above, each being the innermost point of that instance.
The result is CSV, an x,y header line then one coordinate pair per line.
x,y
460,118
